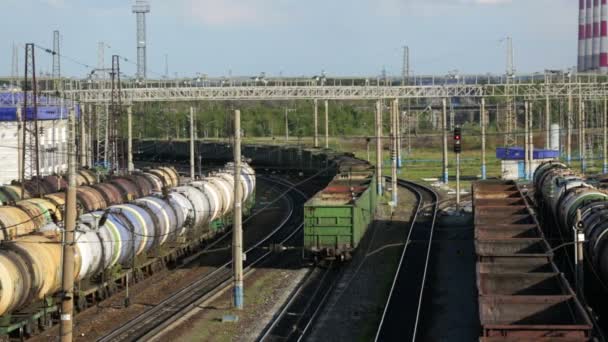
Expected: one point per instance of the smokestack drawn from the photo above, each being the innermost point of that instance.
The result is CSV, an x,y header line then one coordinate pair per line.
x,y
596,34
604,38
589,36
581,35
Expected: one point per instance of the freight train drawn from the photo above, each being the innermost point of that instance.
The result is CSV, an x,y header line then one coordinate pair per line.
x,y
20,217
564,194
161,226
335,219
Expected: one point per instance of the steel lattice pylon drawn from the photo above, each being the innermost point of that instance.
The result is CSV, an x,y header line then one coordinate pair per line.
x,y
510,119
30,164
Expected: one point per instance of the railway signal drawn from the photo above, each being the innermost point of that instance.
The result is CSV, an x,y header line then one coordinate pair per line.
x,y
457,150
457,140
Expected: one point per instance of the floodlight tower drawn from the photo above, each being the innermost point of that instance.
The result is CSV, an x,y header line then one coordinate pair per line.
x,y
140,9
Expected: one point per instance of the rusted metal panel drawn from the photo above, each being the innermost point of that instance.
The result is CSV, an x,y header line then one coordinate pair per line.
x,y
530,266
522,284
522,294
517,231
533,317
512,219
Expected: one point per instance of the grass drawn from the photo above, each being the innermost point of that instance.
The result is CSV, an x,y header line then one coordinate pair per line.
x,y
425,161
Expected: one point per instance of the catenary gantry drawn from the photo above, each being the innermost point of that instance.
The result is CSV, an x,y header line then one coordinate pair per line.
x,y
529,91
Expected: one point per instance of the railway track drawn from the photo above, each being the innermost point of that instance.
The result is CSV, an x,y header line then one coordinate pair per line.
x,y
157,319
401,314
294,320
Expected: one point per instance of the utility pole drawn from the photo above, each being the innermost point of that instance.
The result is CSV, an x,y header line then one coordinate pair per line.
x,y
192,172
445,140
166,66
394,115
83,136
548,122
581,134
67,302
526,142
316,123
91,120
14,71
569,118
483,138
579,240
457,151
398,118
405,72
141,8
237,242
379,146
326,124
531,142
130,166
605,137
56,59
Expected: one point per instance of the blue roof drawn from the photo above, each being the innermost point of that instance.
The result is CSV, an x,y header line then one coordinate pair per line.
x,y
518,153
48,107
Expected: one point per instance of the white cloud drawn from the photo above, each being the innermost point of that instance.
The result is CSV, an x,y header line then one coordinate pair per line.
x,y
55,3
234,12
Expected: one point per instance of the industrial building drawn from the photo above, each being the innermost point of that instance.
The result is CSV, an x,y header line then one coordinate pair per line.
x,y
52,134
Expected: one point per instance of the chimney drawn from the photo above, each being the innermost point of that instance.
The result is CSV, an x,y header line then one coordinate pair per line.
x,y
604,38
596,34
589,36
581,35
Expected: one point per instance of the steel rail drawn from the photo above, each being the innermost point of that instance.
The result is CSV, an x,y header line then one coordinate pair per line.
x,y
418,190
138,327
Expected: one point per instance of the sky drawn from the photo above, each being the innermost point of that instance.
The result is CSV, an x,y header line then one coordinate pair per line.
x,y
299,37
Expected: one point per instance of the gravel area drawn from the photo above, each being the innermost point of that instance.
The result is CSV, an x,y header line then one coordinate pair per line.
x,y
265,292
355,307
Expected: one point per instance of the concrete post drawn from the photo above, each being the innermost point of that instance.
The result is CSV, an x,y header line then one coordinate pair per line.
x,y
379,147
192,165
84,113
130,166
581,134
20,132
394,119
398,119
286,126
570,116
237,242
444,123
326,124
531,142
316,123
67,300
605,137
547,123
526,141
579,240
483,139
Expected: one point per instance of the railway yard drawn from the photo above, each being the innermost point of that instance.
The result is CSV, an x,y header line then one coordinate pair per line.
x,y
491,272
229,200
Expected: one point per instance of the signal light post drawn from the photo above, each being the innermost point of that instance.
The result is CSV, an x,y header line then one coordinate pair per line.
x,y
457,150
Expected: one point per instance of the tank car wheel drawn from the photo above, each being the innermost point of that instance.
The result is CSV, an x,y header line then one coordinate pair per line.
x,y
81,303
112,289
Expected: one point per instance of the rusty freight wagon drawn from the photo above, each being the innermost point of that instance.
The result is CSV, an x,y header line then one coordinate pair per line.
x,y
522,294
336,218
